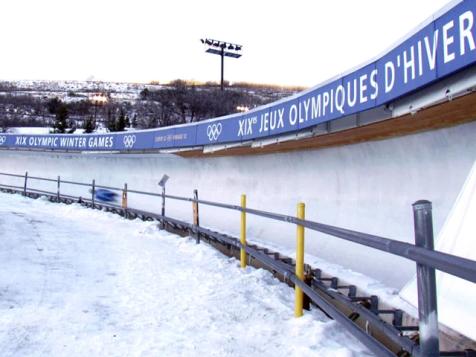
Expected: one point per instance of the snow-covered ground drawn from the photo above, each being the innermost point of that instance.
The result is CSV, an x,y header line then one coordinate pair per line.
x,y
77,282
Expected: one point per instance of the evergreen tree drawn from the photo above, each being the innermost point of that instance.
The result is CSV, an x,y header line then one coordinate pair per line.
x,y
53,105
121,121
134,121
89,125
61,119
111,120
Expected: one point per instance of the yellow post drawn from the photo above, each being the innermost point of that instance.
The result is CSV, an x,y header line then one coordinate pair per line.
x,y
299,261
243,232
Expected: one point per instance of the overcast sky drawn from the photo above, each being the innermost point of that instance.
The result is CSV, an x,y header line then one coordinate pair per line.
x,y
293,42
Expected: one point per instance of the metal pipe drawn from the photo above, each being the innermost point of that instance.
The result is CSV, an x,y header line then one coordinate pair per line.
x,y
25,183
93,192
76,183
58,189
41,178
12,175
243,232
457,266
426,283
162,223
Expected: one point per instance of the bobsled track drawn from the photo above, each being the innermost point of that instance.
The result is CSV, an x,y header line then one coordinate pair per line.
x,y
384,329
367,187
358,150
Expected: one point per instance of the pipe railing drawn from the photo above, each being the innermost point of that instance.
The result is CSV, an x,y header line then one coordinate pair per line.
x,y
422,252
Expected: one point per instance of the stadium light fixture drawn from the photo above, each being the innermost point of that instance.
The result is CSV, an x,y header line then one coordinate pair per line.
x,y
226,49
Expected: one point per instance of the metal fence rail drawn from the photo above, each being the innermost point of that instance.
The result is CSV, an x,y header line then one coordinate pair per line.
x,y
422,253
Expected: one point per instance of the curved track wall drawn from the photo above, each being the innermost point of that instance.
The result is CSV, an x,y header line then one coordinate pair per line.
x,y
442,46
367,187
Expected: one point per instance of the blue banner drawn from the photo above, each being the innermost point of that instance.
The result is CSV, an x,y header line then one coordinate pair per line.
x,y
440,48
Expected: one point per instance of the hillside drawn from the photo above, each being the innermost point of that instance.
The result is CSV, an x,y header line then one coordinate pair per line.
x,y
118,105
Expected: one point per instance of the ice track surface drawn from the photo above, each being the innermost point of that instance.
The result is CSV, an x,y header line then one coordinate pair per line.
x,y
77,282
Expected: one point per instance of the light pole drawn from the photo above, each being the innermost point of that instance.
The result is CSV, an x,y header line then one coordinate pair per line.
x,y
223,49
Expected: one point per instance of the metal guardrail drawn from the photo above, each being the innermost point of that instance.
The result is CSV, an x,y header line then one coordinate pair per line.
x,y
422,253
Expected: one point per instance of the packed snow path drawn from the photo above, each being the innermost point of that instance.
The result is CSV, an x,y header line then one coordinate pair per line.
x,y
77,282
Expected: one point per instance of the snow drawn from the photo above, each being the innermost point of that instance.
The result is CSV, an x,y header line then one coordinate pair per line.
x,y
78,282
30,130
456,238
27,130
365,284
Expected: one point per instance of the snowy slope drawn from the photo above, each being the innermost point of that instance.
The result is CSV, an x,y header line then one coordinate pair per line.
x,y
77,282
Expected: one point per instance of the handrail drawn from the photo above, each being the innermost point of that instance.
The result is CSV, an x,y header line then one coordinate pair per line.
x,y
14,175
454,265
42,179
421,253
75,183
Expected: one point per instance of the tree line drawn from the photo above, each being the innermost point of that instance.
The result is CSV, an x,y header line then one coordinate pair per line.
x,y
176,103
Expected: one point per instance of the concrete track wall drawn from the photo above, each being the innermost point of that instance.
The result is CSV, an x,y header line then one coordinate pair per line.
x,y
367,187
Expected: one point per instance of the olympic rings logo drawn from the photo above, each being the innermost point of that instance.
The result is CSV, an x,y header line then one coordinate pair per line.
x,y
129,141
214,131
3,139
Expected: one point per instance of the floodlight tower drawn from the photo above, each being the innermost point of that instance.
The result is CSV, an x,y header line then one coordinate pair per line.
x,y
223,49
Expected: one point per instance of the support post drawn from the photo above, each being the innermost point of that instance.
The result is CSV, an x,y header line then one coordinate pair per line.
x,y
222,53
25,183
124,197
58,189
162,222
299,296
426,283
196,220
124,200
93,192
243,232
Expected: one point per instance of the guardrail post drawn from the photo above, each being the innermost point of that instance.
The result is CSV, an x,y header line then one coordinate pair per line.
x,y
196,221
162,222
24,185
58,189
426,283
243,232
124,200
299,296
93,192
